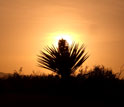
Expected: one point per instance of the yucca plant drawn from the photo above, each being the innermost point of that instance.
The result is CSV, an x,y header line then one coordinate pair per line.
x,y
64,59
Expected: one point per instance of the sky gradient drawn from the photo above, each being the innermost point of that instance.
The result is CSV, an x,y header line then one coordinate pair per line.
x,y
26,26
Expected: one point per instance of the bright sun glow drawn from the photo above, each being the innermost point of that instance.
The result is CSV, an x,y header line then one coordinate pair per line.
x,y
70,37
64,36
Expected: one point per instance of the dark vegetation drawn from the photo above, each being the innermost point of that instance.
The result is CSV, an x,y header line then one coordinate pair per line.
x,y
98,87
89,82
64,59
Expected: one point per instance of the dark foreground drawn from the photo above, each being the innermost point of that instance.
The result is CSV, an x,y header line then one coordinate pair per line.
x,y
36,100
99,88
61,93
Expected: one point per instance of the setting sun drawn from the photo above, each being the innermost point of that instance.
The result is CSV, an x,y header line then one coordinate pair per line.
x,y
68,38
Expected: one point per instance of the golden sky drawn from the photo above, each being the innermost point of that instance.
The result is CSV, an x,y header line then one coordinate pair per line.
x,y
26,26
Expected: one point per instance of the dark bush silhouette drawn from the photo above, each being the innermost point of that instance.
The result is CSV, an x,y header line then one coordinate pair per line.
x,y
98,84
63,60
101,73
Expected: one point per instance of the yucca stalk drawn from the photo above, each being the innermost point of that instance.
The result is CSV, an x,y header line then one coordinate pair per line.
x,y
64,59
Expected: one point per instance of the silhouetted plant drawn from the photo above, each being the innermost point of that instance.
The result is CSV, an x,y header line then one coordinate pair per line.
x,y
18,72
100,72
121,73
64,59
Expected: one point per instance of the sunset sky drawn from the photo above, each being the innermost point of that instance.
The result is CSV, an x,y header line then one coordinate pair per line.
x,y
27,26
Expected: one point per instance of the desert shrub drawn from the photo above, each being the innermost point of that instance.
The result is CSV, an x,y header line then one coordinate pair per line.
x,y
64,59
100,72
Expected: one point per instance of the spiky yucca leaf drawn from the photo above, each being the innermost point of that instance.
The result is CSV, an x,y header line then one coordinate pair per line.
x,y
63,60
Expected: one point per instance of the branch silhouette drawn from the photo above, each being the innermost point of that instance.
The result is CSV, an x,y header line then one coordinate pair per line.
x,y
64,59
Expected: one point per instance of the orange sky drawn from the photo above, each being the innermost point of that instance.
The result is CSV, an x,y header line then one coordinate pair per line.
x,y
26,26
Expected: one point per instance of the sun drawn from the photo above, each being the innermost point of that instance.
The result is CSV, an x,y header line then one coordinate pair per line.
x,y
66,37
70,37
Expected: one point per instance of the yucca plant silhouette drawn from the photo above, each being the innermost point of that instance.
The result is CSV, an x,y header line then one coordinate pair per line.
x,y
64,59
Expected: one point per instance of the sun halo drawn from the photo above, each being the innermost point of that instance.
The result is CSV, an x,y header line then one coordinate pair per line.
x,y
66,37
